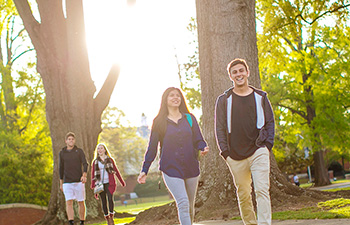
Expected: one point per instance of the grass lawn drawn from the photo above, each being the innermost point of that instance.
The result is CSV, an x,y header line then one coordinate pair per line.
x,y
139,207
336,208
332,209
133,208
307,185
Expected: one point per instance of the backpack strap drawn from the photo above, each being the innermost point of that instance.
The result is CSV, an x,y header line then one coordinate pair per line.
x,y
189,119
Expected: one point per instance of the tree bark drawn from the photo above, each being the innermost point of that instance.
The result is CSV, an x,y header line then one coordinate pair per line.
x,y
226,30
62,61
321,172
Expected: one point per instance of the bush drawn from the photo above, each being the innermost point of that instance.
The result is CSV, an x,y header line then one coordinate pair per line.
x,y
25,171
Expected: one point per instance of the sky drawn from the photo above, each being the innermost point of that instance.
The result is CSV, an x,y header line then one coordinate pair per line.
x,y
144,40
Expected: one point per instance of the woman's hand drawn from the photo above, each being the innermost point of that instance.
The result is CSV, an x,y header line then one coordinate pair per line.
x,y
142,178
205,151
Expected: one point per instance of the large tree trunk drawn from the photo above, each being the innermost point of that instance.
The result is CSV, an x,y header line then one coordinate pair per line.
x,y
62,62
226,30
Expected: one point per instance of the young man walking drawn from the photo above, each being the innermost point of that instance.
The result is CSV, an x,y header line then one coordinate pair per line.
x,y
244,126
73,171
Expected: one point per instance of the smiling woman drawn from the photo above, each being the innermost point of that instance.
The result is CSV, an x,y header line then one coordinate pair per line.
x,y
144,39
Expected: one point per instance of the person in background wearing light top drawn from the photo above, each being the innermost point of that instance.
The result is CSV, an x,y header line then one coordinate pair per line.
x,y
104,166
180,138
296,179
73,171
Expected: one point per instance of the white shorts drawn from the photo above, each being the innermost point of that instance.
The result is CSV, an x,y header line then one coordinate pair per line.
x,y
74,191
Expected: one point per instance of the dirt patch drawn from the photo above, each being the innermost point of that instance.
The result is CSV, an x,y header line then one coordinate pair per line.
x,y
20,216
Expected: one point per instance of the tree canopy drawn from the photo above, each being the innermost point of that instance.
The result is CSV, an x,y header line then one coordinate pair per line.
x,y
25,144
304,67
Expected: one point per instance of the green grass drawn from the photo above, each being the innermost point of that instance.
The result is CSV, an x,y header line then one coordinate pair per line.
x,y
307,185
306,213
136,208
118,221
338,189
341,181
336,208
133,208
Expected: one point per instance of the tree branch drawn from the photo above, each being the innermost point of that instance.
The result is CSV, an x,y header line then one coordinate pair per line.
x,y
289,43
22,53
18,35
321,15
102,99
30,23
25,12
32,106
300,113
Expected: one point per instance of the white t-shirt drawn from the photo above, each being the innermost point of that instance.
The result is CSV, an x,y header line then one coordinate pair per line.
x,y
103,173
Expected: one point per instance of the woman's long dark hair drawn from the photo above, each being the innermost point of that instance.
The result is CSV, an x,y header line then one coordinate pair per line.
x,y
160,121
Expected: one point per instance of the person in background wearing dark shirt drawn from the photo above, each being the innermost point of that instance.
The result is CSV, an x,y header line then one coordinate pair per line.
x,y
180,138
244,126
73,171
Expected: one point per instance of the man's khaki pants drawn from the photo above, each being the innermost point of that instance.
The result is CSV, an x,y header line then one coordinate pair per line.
x,y
257,167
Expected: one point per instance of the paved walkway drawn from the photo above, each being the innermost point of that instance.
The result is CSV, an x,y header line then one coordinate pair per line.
x,y
281,222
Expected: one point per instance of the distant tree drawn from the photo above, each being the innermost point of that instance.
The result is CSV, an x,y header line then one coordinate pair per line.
x,y
12,43
305,68
25,162
58,36
124,143
189,72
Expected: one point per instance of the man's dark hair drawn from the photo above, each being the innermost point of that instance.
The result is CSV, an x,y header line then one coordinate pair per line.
x,y
235,62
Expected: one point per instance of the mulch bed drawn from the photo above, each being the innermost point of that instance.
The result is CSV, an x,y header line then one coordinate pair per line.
x,y
20,216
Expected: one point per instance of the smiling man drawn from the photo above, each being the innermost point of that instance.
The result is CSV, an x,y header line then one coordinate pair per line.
x,y
244,126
